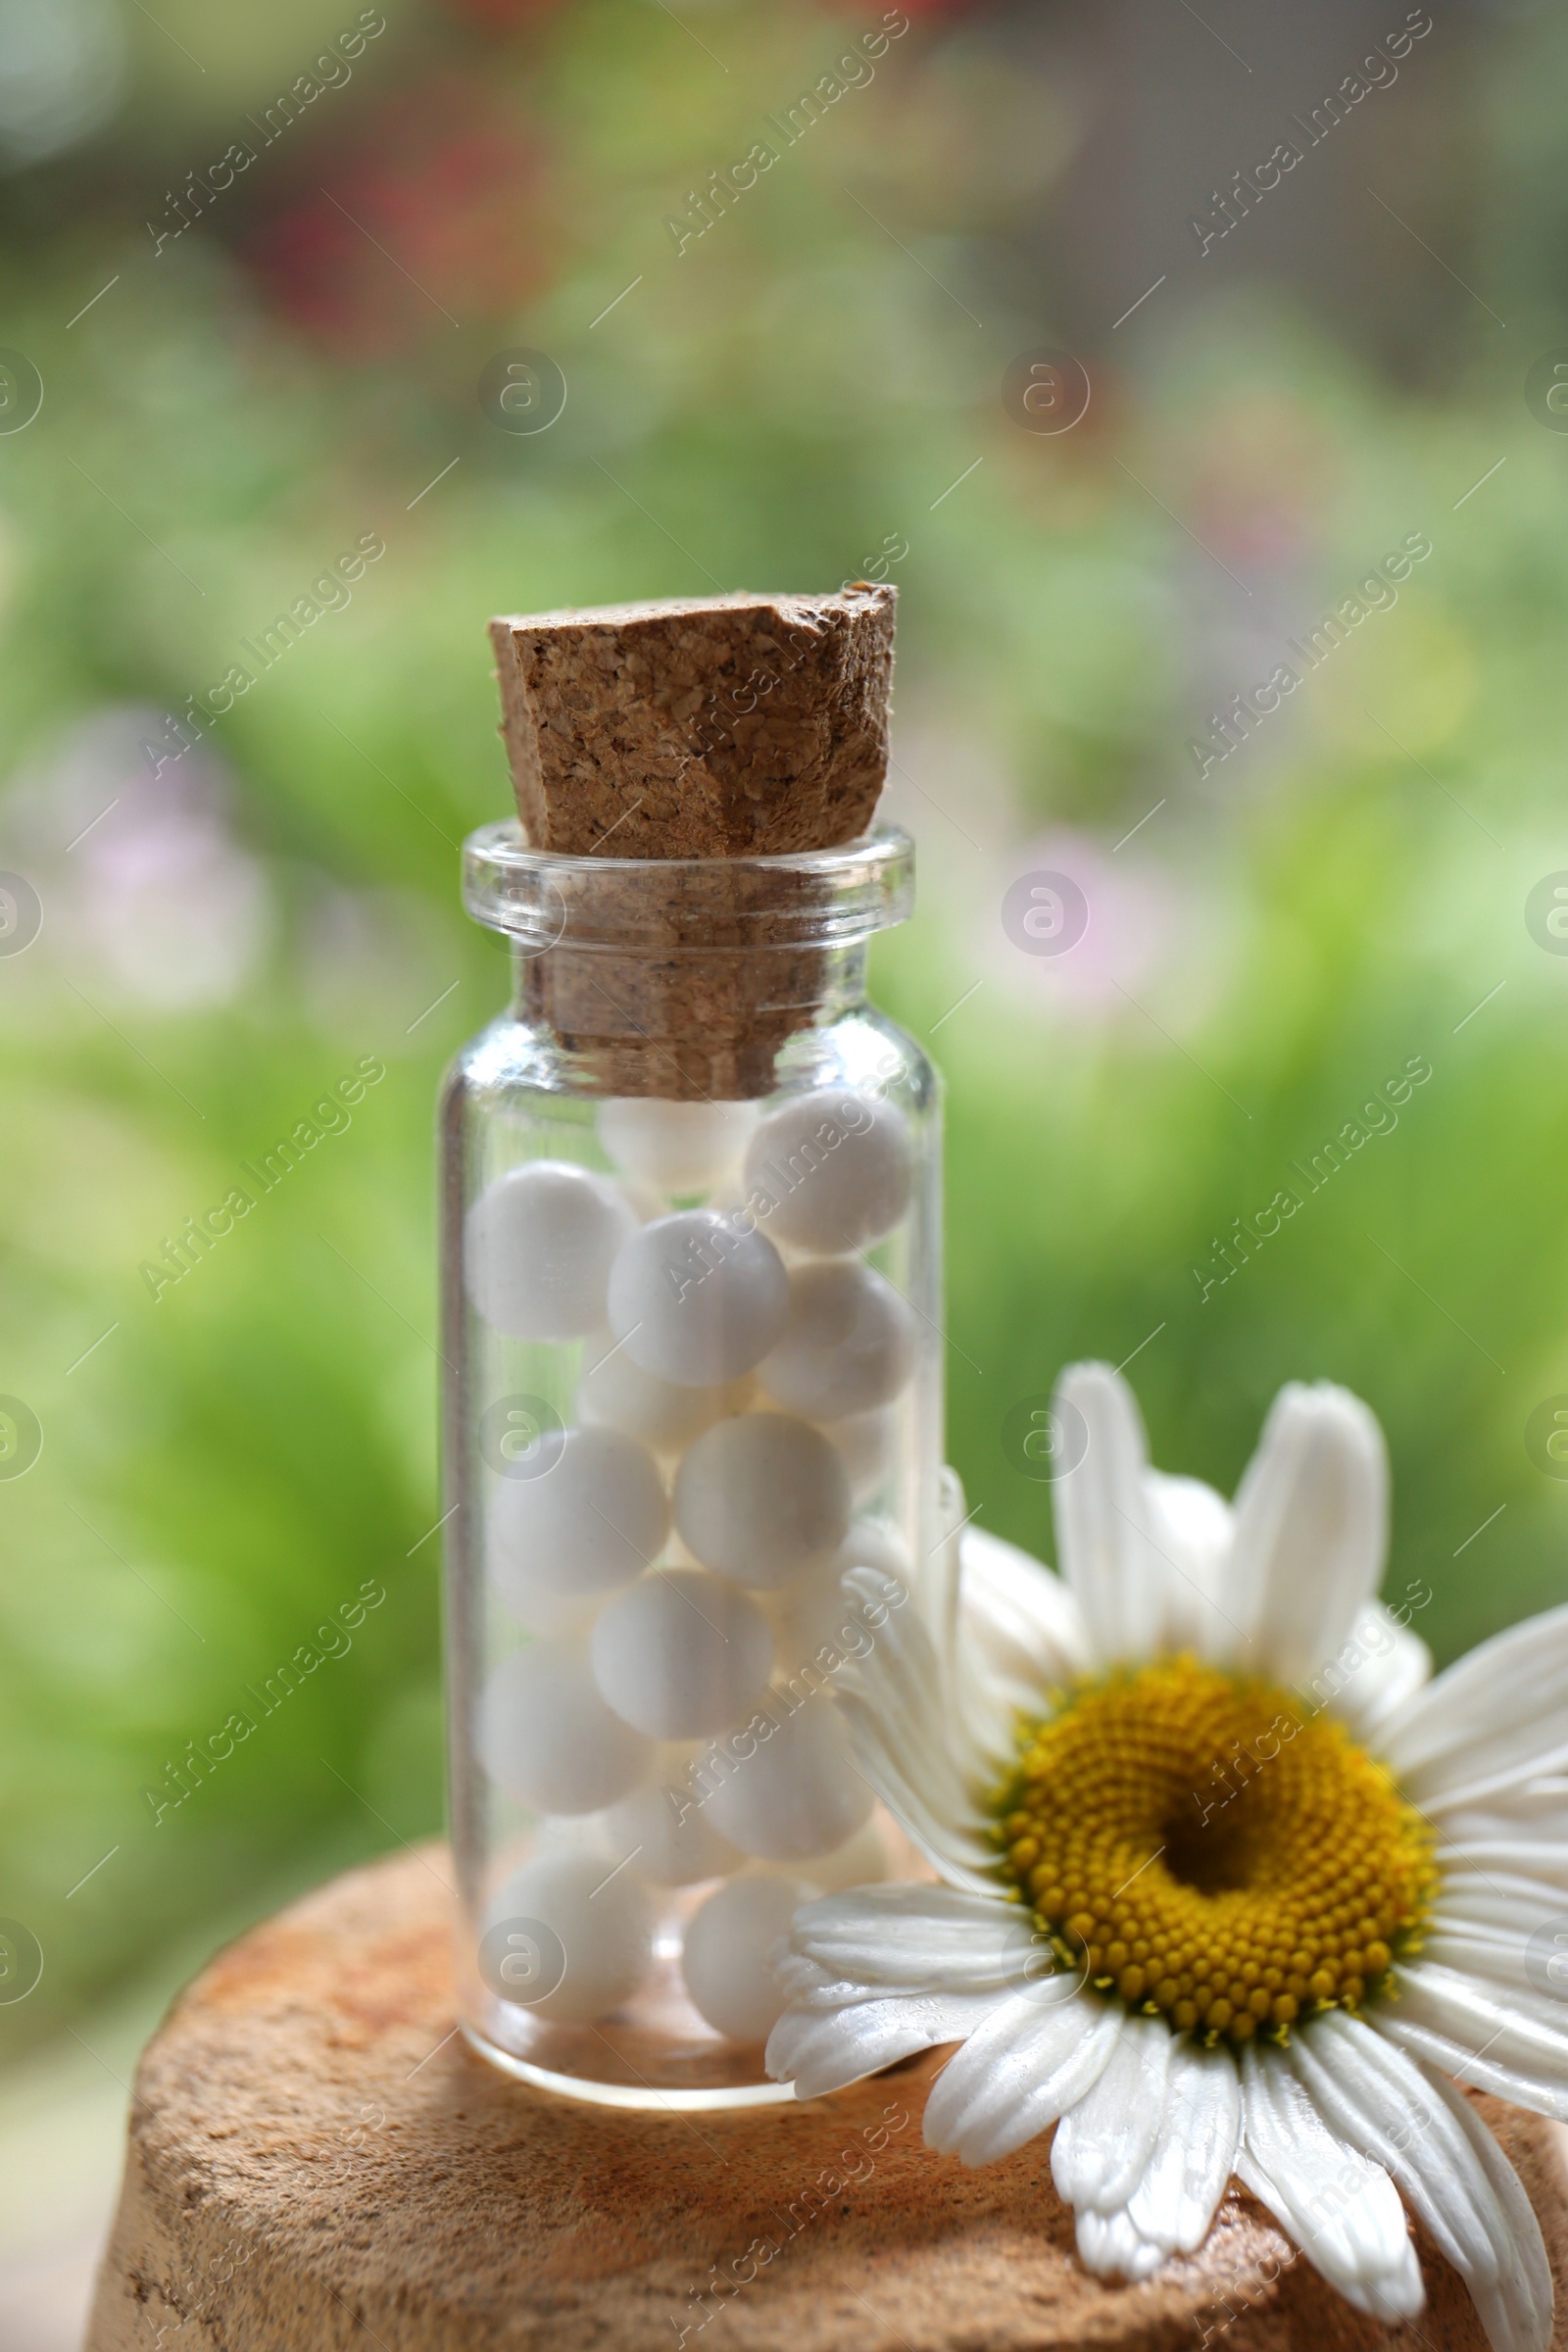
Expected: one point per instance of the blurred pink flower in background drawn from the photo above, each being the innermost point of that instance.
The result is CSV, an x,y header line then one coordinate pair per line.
x,y
143,882
1136,929
450,183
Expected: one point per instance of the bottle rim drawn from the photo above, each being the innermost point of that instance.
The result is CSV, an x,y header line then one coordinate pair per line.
x,y
541,898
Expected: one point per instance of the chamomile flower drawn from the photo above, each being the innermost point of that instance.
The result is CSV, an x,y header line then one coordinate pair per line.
x,y
1227,1884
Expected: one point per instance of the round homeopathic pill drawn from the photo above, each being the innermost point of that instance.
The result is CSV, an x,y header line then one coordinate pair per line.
x,y
546,1737
760,1498
867,1443
663,1832
537,1248
677,1147
815,1623
681,1654
835,1165
591,1517
848,1347
696,1298
797,1793
727,1959
582,1941
615,1391
861,1861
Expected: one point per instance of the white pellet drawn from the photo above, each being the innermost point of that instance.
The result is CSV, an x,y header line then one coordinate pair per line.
x,y
762,1497
813,1624
797,1793
546,1737
681,1654
662,1833
615,1391
676,1147
730,1949
836,1167
869,1445
537,1247
603,1930
591,1517
861,1861
847,1345
696,1298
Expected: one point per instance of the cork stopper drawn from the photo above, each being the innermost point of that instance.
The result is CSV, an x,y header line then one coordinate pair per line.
x,y
724,727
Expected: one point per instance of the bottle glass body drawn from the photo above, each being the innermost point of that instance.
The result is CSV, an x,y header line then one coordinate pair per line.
x,y
692,1296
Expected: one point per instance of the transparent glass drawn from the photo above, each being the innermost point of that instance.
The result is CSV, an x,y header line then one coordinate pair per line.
x,y
691,1235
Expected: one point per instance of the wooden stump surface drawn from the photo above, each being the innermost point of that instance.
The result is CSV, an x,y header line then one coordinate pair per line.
x,y
318,2162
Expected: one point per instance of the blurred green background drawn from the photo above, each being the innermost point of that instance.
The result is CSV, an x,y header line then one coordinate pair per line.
x,y
241,380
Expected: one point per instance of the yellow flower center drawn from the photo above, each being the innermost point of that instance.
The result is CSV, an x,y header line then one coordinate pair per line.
x,y
1222,1857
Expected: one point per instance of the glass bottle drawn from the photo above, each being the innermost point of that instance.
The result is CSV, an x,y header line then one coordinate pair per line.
x,y
691,1308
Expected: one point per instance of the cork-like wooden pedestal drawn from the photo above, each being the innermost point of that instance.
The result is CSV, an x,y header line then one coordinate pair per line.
x,y
318,2162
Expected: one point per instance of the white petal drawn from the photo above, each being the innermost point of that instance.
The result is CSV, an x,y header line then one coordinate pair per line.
x,y
821,2049
882,1970
954,1849
1492,2025
1312,1530
1027,1625
1379,1669
1104,2143
1446,2162
1189,1526
1495,1715
1491,2033
1544,1860
903,1734
901,1680
1109,2245
1015,2076
1342,2211
1185,2177
906,1938
1499,1901
1497,1957
1470,2061
1103,1533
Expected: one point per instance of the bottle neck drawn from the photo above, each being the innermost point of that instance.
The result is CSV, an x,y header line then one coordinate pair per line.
x,y
686,1022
